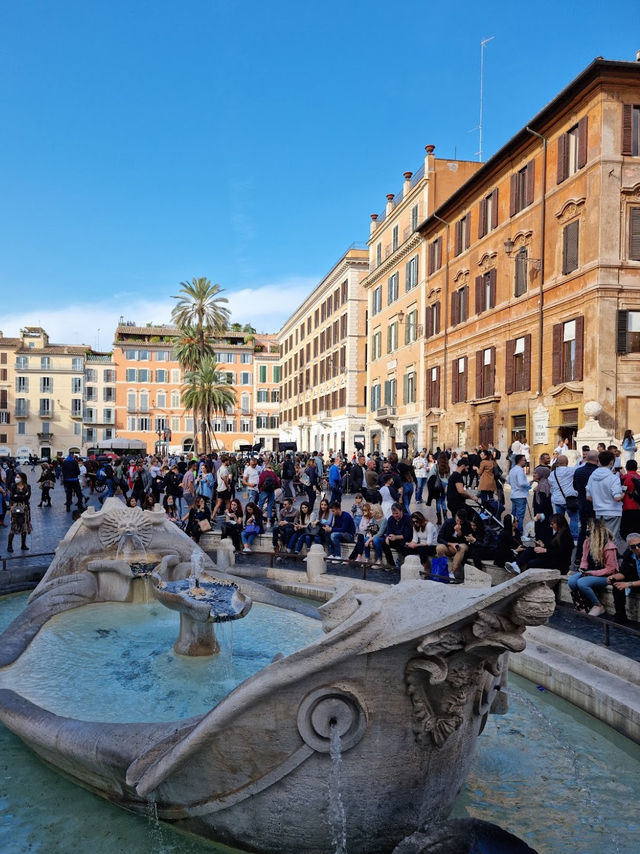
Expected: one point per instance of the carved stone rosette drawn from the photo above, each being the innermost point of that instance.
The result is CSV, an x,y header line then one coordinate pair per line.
x,y
457,664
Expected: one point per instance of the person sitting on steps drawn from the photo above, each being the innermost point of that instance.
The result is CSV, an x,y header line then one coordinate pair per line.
x,y
599,560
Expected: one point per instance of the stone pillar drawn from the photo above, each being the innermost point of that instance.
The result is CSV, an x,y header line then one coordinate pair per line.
x,y
372,224
406,185
316,566
410,569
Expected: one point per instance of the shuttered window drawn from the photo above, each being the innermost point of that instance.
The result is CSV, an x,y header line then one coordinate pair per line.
x,y
634,234
411,279
522,188
434,261
433,387
628,331
485,372
631,129
460,305
518,364
488,214
570,247
572,150
568,351
432,320
462,235
459,380
520,267
486,291
409,387
392,288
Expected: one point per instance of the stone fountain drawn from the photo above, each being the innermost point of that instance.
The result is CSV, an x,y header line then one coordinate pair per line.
x,y
400,686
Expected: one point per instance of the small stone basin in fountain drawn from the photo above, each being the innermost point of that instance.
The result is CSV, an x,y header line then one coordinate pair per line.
x,y
201,602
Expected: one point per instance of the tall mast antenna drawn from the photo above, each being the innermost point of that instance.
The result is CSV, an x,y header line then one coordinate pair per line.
x,y
483,44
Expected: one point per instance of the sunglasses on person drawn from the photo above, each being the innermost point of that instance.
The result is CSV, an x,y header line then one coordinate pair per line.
x,y
634,545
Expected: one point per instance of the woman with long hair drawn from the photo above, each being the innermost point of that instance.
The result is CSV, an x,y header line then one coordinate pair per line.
x,y
253,525
199,513
424,539
231,526
302,534
599,561
437,485
47,481
486,479
555,555
361,532
20,512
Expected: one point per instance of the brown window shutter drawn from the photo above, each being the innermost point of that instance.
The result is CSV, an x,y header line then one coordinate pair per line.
x,y
458,238
436,393
492,376
494,209
479,367
463,385
482,219
556,355
627,129
455,308
513,196
428,389
634,234
466,302
510,351
493,279
454,381
436,323
431,259
563,158
579,370
439,253
582,142
622,331
527,363
427,321
570,247
479,306
530,185
467,231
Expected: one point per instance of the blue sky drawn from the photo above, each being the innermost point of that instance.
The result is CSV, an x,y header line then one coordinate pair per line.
x,y
148,142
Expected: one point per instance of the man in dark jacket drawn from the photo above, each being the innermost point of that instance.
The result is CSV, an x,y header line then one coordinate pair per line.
x,y
71,481
398,533
343,529
356,475
452,541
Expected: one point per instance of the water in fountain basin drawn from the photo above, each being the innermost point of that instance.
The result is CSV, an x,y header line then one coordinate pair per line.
x,y
337,816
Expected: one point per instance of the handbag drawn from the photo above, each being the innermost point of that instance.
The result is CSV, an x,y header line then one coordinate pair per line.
x,y
204,525
571,501
251,528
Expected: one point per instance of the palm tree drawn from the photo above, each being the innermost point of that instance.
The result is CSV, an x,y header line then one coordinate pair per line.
x,y
200,305
207,391
188,349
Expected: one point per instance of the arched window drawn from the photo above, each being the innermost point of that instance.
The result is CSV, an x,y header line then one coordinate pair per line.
x,y
175,400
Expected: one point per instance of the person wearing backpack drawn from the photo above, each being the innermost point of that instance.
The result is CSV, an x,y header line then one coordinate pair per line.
x,y
631,501
288,475
267,485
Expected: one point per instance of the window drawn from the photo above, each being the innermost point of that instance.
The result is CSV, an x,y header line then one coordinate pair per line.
x,y
175,400
390,392
392,336
160,423
22,407
460,305
485,372
46,407
161,399
22,384
459,380
392,288
375,397
570,247
277,374
262,373
132,401
486,291
376,300
432,320
131,375
131,354
245,425
246,378
488,219
263,395
521,265
631,129
246,358
409,387
108,394
411,279
76,385
378,254
45,363
109,376
394,238
262,422
226,358
144,356
411,326
144,375
376,344
107,416
162,376
572,150
628,331
188,424
433,388
131,423
91,375
107,433
76,364
567,351
518,364
91,393
22,363
144,424
634,234
435,255
175,375
144,401
175,423
46,385
76,407
162,355
415,212
462,235
522,186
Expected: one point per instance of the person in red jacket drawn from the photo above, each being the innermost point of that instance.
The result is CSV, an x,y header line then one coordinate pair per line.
x,y
630,506
268,482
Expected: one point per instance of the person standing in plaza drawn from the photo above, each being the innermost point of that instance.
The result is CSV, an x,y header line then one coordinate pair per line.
x,y
20,511
631,501
71,481
335,481
420,469
629,445
563,495
47,482
189,484
223,487
604,490
520,487
250,479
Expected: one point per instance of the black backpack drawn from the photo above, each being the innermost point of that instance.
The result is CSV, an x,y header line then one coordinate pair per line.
x,y
634,494
269,484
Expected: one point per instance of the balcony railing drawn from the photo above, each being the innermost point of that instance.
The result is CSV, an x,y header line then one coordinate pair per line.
x,y
46,412
45,437
386,412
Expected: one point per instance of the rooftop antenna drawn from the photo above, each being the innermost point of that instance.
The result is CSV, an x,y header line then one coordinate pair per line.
x,y
483,44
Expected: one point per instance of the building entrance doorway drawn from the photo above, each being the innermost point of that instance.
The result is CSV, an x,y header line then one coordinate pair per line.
x,y
485,430
410,439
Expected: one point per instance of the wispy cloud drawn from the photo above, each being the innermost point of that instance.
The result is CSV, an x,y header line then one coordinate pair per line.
x,y
265,307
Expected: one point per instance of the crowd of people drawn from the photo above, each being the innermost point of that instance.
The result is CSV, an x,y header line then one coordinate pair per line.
x,y
582,519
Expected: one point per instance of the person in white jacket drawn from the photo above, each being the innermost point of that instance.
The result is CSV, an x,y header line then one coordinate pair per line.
x,y
604,490
424,539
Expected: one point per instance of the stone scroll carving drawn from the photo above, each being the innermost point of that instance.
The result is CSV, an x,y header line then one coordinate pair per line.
x,y
455,665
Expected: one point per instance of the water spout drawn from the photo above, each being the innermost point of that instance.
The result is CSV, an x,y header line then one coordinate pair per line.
x,y
337,815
